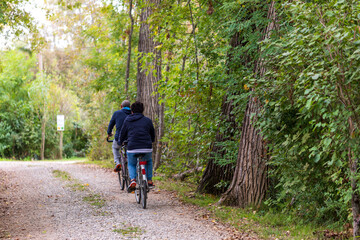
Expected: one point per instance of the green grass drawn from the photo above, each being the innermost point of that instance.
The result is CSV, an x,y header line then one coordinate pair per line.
x,y
79,186
128,231
95,200
62,174
265,224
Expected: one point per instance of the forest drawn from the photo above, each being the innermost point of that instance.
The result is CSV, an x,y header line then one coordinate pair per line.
x,y
257,99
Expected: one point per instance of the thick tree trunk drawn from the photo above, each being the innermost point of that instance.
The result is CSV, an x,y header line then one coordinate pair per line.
x,y
249,183
214,173
250,178
147,79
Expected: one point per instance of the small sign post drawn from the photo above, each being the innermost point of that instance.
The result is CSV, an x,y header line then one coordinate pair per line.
x,y
61,128
60,123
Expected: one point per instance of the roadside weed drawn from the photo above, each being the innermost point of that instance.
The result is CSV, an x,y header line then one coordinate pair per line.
x,y
62,174
95,200
128,230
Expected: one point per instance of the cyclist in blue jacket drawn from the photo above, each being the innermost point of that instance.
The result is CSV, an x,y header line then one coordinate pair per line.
x,y
140,133
117,119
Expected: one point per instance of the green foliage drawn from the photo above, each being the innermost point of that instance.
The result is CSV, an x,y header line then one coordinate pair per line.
x,y
310,96
27,100
209,51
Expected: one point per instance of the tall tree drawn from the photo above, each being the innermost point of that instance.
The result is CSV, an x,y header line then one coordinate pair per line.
x,y
149,72
249,183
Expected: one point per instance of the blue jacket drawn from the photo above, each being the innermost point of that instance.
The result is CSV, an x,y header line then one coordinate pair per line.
x,y
139,131
117,119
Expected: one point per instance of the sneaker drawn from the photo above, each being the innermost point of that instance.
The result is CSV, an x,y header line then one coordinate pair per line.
x,y
117,168
151,184
132,185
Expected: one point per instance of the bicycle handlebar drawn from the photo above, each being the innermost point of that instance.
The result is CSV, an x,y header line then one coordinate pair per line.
x,y
124,143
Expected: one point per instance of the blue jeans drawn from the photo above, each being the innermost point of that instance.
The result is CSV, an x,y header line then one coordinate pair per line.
x,y
132,161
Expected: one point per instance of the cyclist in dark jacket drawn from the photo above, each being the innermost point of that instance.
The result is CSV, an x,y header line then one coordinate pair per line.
x,y
140,133
117,119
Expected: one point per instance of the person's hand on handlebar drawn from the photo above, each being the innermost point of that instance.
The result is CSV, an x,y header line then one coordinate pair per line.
x,y
109,135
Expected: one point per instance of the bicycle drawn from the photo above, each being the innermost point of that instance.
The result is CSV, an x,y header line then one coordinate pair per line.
x,y
123,174
142,187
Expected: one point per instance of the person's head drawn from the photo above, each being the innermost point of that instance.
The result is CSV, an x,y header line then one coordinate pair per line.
x,y
125,103
137,107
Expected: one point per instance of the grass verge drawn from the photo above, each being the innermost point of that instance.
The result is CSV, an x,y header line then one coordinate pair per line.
x,y
264,224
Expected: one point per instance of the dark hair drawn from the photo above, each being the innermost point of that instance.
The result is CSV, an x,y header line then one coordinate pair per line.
x,y
137,107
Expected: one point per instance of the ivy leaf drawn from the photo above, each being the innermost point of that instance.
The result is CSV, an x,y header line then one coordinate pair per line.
x,y
327,142
316,76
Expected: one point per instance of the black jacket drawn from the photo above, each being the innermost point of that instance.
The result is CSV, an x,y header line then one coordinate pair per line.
x,y
118,118
139,131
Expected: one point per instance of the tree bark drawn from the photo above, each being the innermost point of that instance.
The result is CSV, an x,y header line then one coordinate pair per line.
x,y
249,183
43,129
147,79
43,117
355,197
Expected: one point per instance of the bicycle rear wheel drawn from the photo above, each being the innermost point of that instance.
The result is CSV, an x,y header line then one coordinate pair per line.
x,y
137,190
143,189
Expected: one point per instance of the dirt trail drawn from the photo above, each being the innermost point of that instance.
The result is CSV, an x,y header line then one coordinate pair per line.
x,y
34,204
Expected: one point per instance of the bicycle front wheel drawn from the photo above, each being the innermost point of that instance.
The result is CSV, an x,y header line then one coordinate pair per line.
x,y
121,179
143,190
126,176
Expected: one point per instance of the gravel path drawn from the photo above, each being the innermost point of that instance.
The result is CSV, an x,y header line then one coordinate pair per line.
x,y
34,204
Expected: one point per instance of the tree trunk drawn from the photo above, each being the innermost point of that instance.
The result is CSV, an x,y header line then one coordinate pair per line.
x,y
129,52
355,198
214,173
61,144
249,183
250,178
147,79
43,128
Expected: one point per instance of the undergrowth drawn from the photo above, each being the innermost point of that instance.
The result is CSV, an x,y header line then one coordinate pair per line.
x,y
265,223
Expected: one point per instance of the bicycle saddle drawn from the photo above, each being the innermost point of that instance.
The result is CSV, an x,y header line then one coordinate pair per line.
x,y
137,155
